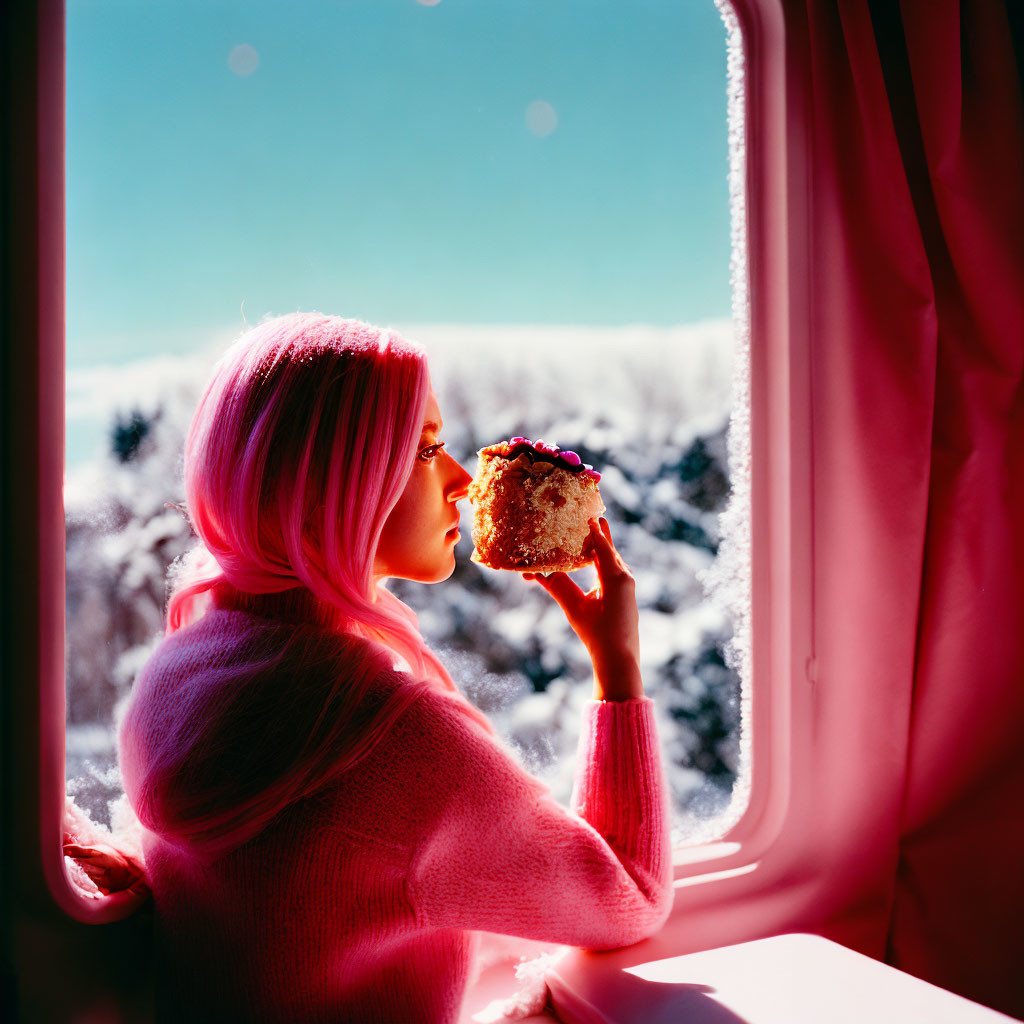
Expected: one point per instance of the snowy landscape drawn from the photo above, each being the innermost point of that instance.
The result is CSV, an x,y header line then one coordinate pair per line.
x,y
648,407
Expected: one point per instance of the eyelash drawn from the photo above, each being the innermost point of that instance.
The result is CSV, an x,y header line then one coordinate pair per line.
x,y
433,449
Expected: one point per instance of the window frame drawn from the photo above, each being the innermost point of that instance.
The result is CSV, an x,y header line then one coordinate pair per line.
x,y
734,890
782,635
33,456
782,665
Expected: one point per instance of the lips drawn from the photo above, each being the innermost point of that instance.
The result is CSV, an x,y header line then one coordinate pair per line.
x,y
454,527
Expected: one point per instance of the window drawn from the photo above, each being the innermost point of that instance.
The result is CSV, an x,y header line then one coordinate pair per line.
x,y
602,278
772,570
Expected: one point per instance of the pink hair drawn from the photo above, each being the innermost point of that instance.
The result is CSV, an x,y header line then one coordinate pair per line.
x,y
300,447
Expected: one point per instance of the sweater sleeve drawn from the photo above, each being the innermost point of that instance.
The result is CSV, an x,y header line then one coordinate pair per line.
x,y
502,855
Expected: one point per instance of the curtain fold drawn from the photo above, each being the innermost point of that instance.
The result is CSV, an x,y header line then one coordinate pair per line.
x,y
917,171
958,908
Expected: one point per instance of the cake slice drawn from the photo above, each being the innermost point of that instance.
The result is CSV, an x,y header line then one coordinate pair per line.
x,y
532,503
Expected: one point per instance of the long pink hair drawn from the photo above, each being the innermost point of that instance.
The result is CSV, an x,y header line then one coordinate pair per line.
x,y
300,447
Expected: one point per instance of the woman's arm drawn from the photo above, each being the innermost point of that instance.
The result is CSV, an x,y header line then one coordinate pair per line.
x,y
501,855
488,847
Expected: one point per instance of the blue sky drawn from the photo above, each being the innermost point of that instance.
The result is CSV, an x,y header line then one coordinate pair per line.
x,y
470,161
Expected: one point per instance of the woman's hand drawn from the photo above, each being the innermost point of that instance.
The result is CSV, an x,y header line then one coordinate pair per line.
x,y
605,618
109,869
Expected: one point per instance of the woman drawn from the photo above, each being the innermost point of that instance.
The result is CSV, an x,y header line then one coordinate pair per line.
x,y
328,819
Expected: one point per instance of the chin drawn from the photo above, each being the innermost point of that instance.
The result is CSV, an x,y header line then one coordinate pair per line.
x,y
446,572
438,573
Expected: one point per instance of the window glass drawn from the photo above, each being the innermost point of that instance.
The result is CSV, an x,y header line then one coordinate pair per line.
x,y
536,192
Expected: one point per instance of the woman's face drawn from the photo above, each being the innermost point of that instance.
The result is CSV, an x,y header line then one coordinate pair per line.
x,y
418,539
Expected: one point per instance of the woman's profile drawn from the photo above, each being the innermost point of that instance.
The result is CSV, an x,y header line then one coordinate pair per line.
x,y
328,820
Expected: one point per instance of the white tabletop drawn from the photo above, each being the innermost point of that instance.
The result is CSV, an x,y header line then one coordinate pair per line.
x,y
786,979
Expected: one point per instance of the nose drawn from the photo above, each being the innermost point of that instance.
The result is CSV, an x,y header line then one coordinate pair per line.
x,y
458,488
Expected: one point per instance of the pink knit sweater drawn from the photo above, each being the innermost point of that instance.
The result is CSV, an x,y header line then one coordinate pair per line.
x,y
361,902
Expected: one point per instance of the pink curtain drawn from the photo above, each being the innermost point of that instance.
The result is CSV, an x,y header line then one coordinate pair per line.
x,y
917,251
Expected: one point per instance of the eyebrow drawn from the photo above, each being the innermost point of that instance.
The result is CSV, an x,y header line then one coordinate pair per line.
x,y
431,426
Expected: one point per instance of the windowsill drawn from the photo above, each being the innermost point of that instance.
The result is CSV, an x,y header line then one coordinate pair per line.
x,y
689,856
785,979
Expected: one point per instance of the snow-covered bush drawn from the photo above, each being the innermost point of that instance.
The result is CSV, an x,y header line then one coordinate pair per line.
x,y
657,438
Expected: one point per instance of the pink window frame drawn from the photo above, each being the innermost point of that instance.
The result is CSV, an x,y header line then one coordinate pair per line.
x,y
710,877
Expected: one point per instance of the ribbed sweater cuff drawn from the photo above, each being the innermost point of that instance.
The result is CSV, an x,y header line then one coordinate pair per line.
x,y
620,785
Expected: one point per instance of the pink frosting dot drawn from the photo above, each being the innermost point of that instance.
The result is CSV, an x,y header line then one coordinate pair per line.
x,y
519,440
572,458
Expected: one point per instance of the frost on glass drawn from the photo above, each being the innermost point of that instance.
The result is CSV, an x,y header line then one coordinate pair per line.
x,y
728,579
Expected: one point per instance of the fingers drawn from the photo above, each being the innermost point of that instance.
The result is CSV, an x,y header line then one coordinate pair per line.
x,y
110,870
609,563
98,855
587,550
598,544
564,590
